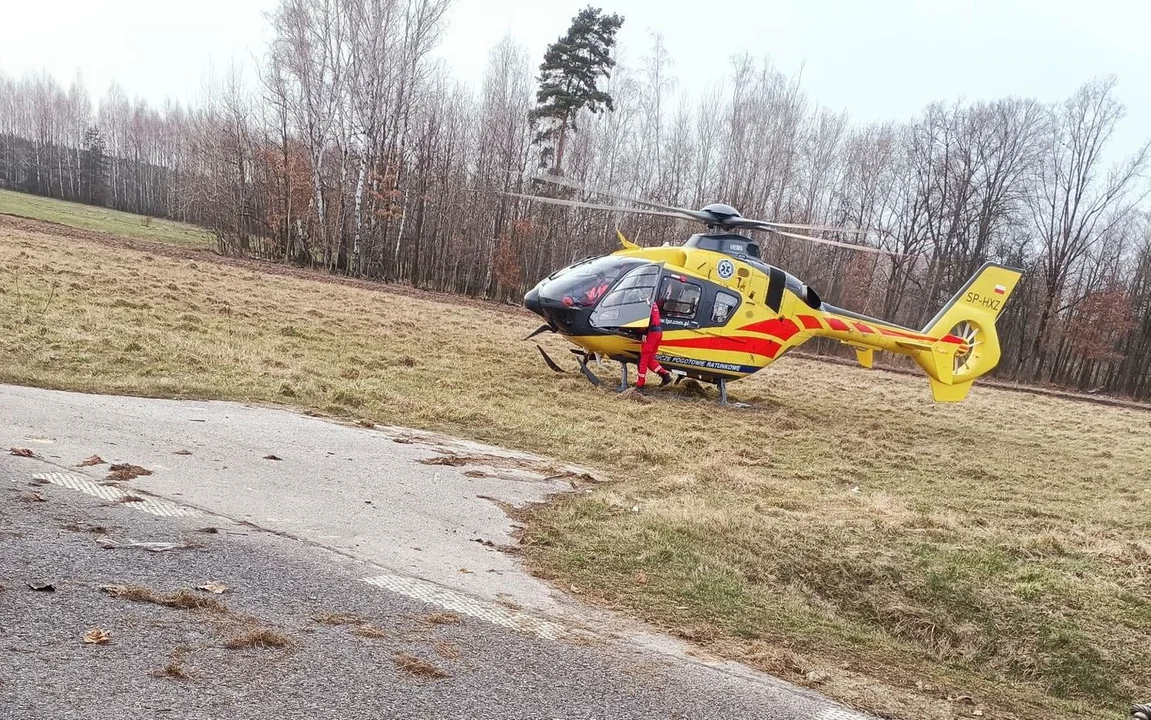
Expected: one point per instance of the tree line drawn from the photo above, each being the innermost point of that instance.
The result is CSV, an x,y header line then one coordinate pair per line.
x,y
357,153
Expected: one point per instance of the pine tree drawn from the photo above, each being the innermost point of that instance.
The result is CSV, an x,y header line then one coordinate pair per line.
x,y
568,78
94,167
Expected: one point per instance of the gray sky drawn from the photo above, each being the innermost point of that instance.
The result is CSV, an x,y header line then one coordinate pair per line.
x,y
877,60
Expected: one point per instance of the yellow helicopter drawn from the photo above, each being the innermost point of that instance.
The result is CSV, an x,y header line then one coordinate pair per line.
x,y
727,314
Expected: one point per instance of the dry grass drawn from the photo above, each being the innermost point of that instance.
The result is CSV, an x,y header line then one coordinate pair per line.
x,y
331,618
444,618
184,598
173,670
446,650
259,637
373,632
999,548
415,666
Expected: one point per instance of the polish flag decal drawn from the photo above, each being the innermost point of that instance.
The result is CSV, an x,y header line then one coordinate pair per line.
x,y
999,289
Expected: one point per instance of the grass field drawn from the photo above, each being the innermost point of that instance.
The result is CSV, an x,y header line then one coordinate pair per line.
x,y
100,219
912,559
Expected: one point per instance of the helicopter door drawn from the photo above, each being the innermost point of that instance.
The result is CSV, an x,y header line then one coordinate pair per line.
x,y
629,302
681,300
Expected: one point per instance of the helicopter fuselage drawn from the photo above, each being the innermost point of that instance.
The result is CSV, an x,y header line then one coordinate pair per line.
x,y
726,313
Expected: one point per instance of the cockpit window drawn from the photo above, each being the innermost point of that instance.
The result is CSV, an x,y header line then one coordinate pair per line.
x,y
680,298
725,304
583,284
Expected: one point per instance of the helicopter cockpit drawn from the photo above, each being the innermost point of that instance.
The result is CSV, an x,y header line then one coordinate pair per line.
x,y
584,283
614,293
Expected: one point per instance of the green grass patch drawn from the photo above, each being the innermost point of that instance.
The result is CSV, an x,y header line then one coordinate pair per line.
x,y
99,219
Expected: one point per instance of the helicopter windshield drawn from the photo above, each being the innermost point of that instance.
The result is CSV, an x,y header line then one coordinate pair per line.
x,y
586,282
630,300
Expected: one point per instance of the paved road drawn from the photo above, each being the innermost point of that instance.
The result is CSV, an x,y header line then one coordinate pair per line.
x,y
347,522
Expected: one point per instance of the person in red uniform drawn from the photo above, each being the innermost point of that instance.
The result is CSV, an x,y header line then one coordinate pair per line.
x,y
649,347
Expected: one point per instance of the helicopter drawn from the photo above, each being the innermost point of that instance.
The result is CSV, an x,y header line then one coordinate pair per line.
x,y
726,313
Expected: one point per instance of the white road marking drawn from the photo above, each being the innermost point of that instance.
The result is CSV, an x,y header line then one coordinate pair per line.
x,y
150,505
467,605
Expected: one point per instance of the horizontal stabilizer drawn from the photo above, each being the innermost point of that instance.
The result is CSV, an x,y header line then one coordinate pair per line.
x,y
943,392
914,344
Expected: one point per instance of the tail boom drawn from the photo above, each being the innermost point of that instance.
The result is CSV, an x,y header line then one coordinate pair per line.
x,y
955,348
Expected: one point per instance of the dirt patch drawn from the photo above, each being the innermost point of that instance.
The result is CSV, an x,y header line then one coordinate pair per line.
x,y
123,472
448,460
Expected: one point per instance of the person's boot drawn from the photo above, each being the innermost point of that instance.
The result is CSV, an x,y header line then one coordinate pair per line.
x,y
665,378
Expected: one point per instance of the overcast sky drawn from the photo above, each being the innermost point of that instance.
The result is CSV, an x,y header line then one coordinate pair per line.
x,y
877,60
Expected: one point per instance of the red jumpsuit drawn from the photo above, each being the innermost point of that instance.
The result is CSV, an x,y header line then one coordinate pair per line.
x,y
649,348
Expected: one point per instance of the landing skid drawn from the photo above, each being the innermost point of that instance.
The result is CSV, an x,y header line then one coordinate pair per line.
x,y
551,363
540,329
588,373
585,358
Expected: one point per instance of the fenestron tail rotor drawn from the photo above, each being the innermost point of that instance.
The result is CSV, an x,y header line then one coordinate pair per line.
x,y
966,358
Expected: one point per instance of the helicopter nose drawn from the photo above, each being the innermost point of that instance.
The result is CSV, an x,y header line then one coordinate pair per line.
x,y
532,301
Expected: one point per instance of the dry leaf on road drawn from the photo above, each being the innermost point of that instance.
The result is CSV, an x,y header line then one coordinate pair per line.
x,y
94,460
96,636
21,452
214,587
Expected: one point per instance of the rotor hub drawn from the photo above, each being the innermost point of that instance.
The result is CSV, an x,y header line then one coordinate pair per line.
x,y
721,213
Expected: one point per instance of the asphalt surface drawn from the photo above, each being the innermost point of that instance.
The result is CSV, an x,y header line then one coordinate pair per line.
x,y
289,567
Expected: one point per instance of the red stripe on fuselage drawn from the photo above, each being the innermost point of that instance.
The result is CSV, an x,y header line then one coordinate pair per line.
x,y
754,345
865,329
910,336
837,324
811,322
781,328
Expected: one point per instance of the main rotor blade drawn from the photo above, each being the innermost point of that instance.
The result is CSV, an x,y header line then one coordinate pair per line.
x,y
823,228
850,246
565,182
595,206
